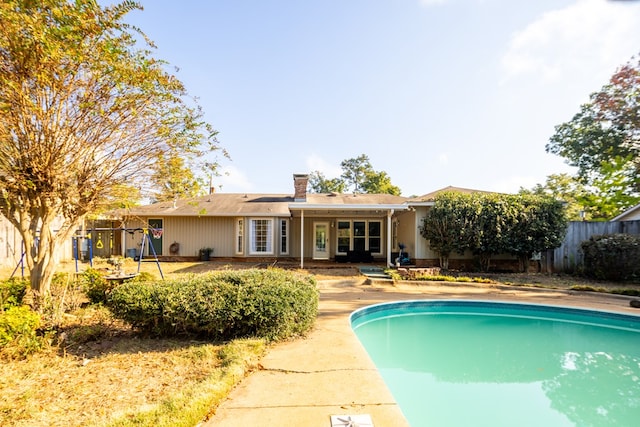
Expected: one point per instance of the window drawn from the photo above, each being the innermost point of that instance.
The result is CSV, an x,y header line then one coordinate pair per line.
x,y
344,236
360,236
284,236
261,236
375,237
239,236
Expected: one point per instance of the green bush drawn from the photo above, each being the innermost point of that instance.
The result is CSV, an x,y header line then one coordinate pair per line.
x,y
143,276
95,286
612,257
12,292
18,332
273,304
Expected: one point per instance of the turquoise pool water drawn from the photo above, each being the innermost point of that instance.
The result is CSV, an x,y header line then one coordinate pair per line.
x,y
480,363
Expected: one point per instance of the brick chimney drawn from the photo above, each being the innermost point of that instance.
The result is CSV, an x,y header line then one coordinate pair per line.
x,y
300,187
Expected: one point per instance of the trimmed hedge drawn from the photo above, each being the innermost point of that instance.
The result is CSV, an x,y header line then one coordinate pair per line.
x,y
612,257
273,304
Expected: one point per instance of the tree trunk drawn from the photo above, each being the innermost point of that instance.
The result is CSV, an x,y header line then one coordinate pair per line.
x,y
485,262
41,277
444,261
42,254
524,263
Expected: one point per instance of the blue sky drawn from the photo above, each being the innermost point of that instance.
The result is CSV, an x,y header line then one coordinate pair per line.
x,y
435,92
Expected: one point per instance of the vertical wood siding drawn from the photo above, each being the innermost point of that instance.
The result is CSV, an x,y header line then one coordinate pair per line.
x,y
11,245
191,234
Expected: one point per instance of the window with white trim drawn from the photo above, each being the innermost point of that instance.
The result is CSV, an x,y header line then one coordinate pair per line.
x,y
239,236
284,236
261,236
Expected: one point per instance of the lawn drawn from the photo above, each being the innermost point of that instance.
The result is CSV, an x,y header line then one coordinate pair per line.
x,y
104,374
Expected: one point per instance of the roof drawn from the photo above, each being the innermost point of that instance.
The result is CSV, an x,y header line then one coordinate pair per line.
x,y
239,204
217,204
353,199
430,197
631,213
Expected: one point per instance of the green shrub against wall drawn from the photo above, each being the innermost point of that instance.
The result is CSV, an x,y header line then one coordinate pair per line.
x,y
12,292
612,257
273,304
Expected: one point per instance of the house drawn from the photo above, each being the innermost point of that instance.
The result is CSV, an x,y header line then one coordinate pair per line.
x,y
266,227
631,214
12,248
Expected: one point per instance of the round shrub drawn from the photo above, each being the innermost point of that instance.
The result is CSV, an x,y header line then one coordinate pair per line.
x,y
273,304
612,257
18,332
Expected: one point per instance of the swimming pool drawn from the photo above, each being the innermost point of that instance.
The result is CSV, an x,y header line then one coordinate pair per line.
x,y
476,363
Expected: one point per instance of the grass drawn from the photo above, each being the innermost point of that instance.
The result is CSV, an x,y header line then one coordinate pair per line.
x,y
196,401
104,375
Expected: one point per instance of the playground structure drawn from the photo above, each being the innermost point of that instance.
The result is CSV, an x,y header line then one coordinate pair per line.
x,y
84,245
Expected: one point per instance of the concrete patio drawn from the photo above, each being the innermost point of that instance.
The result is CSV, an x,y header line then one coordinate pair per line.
x,y
306,381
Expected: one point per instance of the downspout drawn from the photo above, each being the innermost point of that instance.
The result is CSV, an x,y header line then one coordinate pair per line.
x,y
302,239
389,215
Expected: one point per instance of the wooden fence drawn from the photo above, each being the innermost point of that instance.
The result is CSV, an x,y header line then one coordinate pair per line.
x,y
568,257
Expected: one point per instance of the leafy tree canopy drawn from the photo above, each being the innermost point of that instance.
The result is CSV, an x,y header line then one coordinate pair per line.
x,y
85,113
319,184
605,198
357,176
491,224
603,142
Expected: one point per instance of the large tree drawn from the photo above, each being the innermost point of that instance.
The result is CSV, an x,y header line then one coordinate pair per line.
x,y
318,183
85,109
358,176
603,140
174,180
447,225
565,188
540,223
492,224
354,172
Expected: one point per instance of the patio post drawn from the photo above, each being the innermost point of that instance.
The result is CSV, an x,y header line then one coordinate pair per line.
x,y
389,237
301,239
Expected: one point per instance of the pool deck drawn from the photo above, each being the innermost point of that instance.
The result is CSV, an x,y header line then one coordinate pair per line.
x,y
306,381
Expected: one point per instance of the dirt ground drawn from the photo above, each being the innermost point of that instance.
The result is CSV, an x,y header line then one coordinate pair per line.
x,y
132,371
328,271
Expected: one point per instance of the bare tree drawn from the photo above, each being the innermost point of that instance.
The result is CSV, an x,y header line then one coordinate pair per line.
x,y
84,110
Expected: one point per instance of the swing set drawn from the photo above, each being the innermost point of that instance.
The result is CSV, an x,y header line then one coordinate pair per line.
x,y
147,232
146,240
